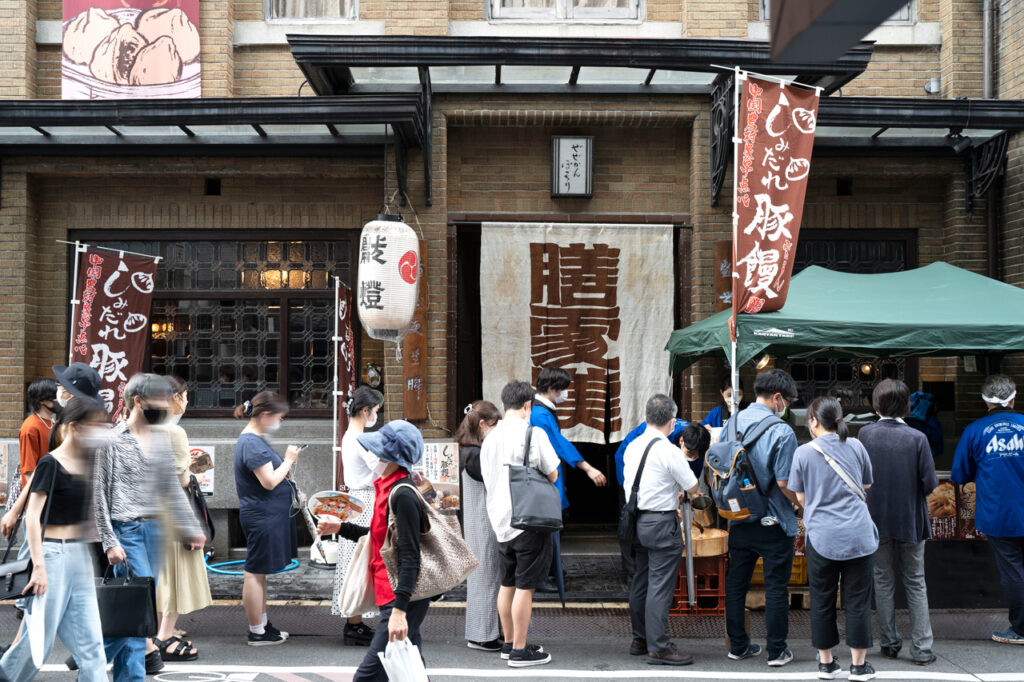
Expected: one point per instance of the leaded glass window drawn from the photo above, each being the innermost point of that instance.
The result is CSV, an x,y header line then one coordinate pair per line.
x,y
233,318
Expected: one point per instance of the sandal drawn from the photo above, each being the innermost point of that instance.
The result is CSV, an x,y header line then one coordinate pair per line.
x,y
176,649
180,633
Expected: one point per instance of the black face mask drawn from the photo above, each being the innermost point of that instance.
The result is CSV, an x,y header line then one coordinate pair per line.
x,y
154,415
55,408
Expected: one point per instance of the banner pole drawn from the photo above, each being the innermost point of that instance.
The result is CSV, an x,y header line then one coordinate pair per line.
x,y
79,248
733,369
337,350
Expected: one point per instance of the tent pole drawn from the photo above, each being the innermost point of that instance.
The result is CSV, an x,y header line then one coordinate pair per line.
x,y
733,369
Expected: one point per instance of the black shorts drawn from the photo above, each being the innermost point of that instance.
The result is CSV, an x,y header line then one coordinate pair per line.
x,y
526,559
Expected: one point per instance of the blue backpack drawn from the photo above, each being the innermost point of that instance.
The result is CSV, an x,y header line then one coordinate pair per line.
x,y
730,476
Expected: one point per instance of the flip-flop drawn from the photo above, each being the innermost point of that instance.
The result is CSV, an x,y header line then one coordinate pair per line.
x,y
176,649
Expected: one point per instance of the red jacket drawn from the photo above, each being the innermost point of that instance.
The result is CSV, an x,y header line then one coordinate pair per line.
x,y
378,529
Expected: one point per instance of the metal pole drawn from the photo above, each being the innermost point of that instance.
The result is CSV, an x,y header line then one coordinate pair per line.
x,y
987,32
737,141
337,351
79,248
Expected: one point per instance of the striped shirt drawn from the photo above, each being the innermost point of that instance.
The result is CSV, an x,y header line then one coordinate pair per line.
x,y
130,484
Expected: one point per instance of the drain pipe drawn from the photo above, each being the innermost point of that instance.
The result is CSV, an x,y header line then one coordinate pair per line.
x,y
988,16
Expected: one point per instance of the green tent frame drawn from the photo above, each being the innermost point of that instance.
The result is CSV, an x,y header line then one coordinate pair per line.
x,y
938,310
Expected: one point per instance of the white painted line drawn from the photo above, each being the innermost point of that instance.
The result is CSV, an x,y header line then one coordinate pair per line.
x,y
555,673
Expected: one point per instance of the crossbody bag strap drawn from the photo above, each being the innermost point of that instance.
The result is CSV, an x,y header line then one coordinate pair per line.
x,y
842,473
634,494
760,428
46,517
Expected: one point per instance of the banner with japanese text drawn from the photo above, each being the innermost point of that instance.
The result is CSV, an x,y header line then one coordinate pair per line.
x,y
346,361
130,49
593,299
111,318
775,128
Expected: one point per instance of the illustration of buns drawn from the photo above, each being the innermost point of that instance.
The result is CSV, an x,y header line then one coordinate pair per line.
x,y
112,62
200,463
85,32
967,497
173,23
156,63
942,501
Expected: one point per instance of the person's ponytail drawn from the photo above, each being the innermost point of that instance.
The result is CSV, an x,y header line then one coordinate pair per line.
x,y
828,412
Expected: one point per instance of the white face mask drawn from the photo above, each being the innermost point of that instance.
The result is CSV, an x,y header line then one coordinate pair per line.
x,y
562,397
273,428
379,469
62,401
371,420
95,438
175,418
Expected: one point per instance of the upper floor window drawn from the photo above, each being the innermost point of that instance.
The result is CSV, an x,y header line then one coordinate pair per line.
x,y
310,9
903,16
565,10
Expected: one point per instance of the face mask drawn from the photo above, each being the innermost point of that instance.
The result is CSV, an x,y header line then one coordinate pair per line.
x,y
95,438
273,428
562,397
780,413
55,407
154,415
379,469
371,420
62,401
175,418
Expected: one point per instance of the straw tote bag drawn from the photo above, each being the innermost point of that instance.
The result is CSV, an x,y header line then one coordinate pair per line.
x,y
445,558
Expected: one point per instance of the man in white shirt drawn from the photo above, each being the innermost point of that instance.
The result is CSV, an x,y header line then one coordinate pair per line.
x,y
525,555
659,540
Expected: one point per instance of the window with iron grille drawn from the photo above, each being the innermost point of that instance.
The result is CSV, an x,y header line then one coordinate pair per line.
x,y
903,16
564,10
232,318
310,9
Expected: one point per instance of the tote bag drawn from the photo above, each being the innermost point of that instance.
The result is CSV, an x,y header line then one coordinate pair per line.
x,y
127,605
357,596
536,504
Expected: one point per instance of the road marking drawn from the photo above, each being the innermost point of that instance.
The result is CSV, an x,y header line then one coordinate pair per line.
x,y
230,672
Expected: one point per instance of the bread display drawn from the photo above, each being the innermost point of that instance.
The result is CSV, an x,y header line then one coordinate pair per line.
x,y
85,32
967,498
158,62
173,24
942,501
114,56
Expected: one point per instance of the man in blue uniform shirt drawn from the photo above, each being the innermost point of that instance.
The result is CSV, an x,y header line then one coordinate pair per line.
x,y
991,453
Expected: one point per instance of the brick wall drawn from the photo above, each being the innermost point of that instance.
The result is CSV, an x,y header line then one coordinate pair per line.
x,y
18,59
266,71
961,48
896,72
16,225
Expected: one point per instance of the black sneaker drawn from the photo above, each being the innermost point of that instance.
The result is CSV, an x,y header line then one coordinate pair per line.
x,y
493,646
506,649
358,635
751,651
154,663
862,673
926,658
524,658
71,663
891,651
268,638
274,631
828,671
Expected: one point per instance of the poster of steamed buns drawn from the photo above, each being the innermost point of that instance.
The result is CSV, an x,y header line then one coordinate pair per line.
x,y
130,49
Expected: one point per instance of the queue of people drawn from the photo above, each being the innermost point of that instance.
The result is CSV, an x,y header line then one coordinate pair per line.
x,y
862,501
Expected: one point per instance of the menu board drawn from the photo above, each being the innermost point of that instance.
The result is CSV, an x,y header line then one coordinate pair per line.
x,y
437,475
951,512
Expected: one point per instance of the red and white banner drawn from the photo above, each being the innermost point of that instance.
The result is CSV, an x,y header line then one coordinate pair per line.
x,y
111,322
775,131
346,363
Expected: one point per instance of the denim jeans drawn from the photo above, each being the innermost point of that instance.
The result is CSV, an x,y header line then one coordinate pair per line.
x,y
748,542
371,669
142,543
1009,555
68,610
907,559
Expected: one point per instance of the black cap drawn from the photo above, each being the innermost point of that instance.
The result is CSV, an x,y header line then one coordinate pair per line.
x,y
80,380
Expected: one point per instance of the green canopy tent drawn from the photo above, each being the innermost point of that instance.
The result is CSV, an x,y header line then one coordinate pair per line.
x,y
937,310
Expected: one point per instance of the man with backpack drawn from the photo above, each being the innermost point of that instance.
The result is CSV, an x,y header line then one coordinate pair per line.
x,y
762,519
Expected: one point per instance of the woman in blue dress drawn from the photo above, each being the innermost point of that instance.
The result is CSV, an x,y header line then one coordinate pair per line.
x,y
264,509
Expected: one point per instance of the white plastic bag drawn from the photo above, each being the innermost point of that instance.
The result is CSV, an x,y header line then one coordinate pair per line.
x,y
402,662
357,596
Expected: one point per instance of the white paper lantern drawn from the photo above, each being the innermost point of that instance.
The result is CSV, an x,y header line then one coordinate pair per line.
x,y
389,272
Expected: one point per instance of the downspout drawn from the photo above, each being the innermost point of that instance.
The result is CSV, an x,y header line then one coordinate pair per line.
x,y
988,16
994,193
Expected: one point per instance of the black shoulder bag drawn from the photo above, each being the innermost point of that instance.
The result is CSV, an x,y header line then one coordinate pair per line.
x,y
629,514
536,504
16,574
198,502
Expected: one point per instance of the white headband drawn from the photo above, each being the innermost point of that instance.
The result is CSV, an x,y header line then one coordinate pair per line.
x,y
999,401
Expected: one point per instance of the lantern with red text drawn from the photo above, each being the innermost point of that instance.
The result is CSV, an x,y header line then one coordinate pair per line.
x,y
389,271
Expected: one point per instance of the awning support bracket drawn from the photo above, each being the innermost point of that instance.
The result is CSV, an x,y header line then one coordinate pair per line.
x,y
982,165
426,93
720,128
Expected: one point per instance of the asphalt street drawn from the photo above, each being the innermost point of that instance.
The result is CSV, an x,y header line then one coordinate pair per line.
x,y
587,642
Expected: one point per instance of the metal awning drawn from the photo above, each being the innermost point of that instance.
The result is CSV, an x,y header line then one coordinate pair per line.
x,y
339,126
338,64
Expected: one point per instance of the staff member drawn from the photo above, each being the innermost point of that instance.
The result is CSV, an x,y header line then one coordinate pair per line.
x,y
659,538
991,453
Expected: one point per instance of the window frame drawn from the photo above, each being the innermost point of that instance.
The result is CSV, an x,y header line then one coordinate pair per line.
x,y
281,296
564,12
270,19
910,6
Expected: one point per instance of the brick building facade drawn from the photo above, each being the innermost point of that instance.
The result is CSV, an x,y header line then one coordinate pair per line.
x,y
491,161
